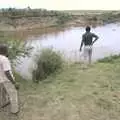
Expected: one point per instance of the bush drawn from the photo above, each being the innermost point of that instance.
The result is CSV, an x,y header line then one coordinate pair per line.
x,y
48,61
109,59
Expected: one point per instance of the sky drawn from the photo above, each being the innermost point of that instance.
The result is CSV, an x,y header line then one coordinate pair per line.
x,y
63,4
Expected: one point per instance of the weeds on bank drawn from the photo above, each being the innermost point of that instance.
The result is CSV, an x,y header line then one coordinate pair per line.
x,y
47,62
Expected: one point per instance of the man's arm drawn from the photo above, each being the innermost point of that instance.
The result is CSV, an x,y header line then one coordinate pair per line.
x,y
8,72
82,42
96,38
9,76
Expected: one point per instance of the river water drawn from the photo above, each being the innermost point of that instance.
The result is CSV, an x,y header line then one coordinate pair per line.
x,y
68,42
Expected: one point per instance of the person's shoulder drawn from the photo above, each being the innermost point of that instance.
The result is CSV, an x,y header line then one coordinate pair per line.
x,y
83,34
4,58
92,34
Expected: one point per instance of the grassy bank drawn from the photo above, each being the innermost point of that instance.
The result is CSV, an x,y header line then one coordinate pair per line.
x,y
75,93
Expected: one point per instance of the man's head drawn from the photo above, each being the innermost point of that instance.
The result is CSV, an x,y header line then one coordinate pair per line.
x,y
3,49
88,29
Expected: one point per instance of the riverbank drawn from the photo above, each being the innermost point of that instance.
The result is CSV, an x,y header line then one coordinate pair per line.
x,y
75,93
21,20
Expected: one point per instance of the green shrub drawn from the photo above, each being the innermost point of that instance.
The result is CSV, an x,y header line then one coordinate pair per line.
x,y
47,61
109,59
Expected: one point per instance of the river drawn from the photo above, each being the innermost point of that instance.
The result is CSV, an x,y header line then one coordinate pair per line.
x,y
68,41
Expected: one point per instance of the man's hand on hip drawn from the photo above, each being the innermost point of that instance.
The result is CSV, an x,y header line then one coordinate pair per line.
x,y
80,49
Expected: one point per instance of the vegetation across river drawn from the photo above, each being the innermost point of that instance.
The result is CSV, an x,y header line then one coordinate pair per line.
x,y
12,19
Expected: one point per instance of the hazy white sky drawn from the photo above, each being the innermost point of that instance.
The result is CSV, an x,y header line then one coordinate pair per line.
x,y
63,4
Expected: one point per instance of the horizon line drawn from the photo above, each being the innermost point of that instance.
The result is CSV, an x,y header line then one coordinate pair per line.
x,y
63,9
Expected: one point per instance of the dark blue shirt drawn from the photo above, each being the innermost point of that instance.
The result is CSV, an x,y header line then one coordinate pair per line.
x,y
87,38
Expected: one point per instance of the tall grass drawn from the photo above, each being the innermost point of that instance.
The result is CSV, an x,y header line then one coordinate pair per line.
x,y
16,48
48,62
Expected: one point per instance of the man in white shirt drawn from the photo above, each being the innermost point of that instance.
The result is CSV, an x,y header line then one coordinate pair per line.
x,y
7,79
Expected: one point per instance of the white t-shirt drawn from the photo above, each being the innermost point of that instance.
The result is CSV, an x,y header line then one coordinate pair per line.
x,y
4,66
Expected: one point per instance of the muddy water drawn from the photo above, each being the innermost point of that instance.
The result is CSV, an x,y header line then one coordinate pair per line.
x,y
68,42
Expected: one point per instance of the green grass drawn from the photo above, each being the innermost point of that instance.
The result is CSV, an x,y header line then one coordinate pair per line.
x,y
74,94
110,59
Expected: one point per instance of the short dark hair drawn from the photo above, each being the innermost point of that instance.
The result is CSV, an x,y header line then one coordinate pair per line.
x,y
4,49
88,28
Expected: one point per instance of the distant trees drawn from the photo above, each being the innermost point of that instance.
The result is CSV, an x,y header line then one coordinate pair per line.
x,y
28,12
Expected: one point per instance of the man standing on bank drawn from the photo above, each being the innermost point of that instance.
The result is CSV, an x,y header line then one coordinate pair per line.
x,y
88,41
7,79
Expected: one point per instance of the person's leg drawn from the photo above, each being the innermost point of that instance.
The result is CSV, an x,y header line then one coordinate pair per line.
x,y
90,55
13,96
85,55
4,99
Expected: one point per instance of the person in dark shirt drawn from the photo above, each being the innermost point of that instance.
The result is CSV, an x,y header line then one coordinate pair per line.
x,y
88,41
